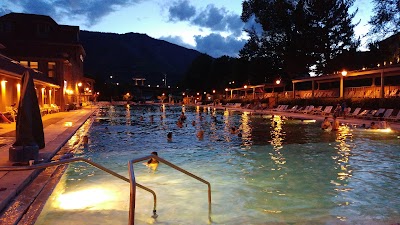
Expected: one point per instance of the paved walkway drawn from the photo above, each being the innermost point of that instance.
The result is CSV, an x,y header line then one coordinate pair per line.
x,y
58,129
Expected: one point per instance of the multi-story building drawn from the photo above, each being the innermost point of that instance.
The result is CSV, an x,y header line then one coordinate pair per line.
x,y
38,42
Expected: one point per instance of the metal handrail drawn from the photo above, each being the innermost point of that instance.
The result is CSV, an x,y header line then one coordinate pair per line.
x,y
67,161
133,181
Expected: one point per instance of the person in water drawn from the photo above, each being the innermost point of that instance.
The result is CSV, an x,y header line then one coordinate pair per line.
x,y
200,135
326,124
373,126
169,136
182,117
234,130
335,124
152,163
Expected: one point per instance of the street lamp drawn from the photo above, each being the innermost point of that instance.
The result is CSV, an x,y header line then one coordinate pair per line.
x,y
278,81
341,91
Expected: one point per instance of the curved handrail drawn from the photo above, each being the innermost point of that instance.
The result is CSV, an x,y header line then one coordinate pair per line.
x,y
67,161
132,177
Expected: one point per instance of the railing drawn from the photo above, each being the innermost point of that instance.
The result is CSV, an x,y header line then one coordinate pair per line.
x,y
133,182
67,161
131,179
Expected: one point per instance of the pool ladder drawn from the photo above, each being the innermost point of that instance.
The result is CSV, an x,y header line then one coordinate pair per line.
x,y
131,179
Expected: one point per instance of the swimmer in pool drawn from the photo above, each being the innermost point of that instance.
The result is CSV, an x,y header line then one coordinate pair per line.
x,y
169,137
152,163
200,135
326,124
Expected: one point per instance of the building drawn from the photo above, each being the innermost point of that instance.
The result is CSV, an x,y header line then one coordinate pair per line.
x,y
38,42
11,73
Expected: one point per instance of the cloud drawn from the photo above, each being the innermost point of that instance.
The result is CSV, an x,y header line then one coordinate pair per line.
x,y
216,19
181,11
176,40
4,11
91,11
217,45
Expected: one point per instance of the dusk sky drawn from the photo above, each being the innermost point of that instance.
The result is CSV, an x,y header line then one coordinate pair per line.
x,y
209,26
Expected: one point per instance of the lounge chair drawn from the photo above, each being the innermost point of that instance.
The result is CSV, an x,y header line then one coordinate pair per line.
x,y
327,111
387,114
55,108
363,113
375,114
317,110
395,118
293,109
277,108
355,112
310,108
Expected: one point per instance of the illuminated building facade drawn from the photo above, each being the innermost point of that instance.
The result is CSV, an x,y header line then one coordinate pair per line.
x,y
38,42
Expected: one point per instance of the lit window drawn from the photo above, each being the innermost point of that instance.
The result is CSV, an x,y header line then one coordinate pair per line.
x,y
24,63
51,69
34,65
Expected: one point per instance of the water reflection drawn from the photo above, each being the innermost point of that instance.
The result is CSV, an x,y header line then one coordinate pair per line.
x,y
277,137
344,137
246,129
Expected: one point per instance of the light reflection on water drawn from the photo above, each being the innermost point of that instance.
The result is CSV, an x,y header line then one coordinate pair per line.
x,y
280,170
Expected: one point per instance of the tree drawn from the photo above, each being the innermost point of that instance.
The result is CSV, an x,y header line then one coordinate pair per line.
x,y
386,18
298,34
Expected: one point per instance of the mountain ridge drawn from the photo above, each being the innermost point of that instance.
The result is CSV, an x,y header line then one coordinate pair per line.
x,y
124,56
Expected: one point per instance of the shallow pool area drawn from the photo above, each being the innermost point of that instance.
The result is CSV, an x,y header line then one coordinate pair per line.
x,y
275,170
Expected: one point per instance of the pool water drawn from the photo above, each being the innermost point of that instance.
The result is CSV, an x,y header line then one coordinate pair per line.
x,y
279,171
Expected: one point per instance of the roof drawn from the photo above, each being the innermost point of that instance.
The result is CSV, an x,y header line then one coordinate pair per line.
x,y
392,70
27,16
11,68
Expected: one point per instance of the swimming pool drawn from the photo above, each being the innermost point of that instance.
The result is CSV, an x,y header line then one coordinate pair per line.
x,y
278,171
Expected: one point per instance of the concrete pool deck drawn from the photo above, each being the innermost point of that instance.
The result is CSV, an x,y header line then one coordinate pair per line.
x,y
16,199
58,129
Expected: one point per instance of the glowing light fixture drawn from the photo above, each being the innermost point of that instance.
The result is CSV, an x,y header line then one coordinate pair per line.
x,y
68,124
79,84
90,199
344,73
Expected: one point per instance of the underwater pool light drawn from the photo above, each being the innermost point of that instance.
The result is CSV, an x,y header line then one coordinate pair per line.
x,y
93,198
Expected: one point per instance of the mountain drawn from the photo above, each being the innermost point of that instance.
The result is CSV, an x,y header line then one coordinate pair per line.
x,y
124,56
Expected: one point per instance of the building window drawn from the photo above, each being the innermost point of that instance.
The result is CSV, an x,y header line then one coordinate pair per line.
x,y
24,63
51,69
33,65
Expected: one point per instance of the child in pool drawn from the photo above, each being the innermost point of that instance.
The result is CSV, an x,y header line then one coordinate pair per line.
x,y
152,163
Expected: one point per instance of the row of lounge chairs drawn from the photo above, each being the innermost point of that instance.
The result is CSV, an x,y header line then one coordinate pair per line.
x,y
374,114
49,108
11,113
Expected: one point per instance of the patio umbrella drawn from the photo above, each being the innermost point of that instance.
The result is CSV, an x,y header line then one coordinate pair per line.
x,y
29,125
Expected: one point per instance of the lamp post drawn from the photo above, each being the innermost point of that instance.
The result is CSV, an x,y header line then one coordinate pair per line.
x,y
343,74
165,80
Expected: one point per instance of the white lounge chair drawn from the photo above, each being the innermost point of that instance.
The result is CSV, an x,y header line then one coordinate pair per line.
x,y
387,114
355,112
394,118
